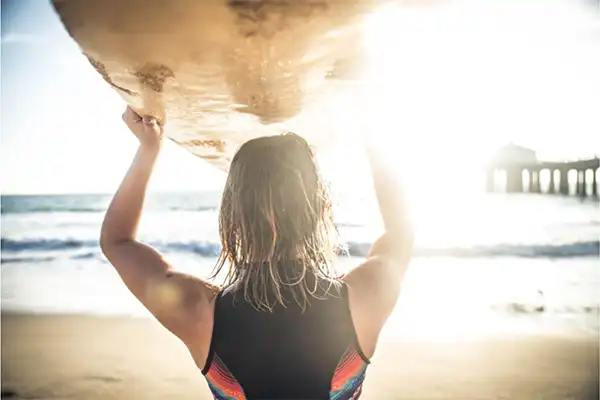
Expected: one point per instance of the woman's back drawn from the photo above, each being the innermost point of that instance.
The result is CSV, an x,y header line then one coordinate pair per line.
x,y
286,353
280,329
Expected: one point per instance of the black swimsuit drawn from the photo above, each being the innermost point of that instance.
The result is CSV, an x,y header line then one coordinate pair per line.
x,y
287,353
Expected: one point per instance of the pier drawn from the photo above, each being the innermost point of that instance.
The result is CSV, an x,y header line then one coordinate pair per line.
x,y
516,169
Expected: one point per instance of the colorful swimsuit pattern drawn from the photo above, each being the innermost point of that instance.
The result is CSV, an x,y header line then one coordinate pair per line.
x,y
346,383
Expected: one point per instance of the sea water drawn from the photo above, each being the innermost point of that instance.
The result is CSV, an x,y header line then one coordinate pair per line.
x,y
482,264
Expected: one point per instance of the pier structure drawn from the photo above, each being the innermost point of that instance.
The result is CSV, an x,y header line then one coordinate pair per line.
x,y
516,169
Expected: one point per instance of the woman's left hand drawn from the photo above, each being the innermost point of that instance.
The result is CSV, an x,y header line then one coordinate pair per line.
x,y
146,128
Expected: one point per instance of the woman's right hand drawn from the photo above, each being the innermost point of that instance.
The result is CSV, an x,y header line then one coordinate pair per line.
x,y
146,128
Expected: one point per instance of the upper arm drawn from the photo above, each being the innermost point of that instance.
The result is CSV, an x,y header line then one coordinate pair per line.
x,y
377,281
374,288
180,302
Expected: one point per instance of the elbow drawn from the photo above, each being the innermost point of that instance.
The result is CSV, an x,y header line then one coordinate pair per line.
x,y
395,247
404,249
108,242
113,249
402,238
104,243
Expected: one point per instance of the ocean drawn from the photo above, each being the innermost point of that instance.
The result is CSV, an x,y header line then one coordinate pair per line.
x,y
487,263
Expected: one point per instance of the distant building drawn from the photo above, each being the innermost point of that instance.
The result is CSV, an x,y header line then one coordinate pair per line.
x,y
513,154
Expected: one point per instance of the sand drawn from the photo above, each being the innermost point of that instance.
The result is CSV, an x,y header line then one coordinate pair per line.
x,y
85,357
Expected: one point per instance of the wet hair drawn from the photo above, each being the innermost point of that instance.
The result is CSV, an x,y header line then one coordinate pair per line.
x,y
276,223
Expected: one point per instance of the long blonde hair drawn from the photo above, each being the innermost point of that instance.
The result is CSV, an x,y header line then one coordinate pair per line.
x,y
275,222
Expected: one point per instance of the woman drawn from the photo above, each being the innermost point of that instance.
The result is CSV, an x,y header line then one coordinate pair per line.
x,y
284,326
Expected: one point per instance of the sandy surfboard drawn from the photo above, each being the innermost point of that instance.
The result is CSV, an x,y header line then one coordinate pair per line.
x,y
220,71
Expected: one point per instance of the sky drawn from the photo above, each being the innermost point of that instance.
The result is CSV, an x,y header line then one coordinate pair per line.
x,y
449,83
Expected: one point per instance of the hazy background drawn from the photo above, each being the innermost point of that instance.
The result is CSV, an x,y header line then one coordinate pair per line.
x,y
451,82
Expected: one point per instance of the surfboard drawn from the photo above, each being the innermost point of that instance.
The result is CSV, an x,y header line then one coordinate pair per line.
x,y
219,72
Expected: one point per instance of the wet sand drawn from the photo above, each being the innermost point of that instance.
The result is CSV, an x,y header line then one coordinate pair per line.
x,y
86,357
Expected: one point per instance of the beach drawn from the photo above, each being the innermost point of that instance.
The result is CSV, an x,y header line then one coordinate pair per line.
x,y
90,357
504,308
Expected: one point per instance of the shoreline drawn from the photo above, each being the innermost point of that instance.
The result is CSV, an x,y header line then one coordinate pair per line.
x,y
115,357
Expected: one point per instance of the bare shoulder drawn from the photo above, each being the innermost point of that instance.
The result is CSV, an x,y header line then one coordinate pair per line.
x,y
373,290
189,296
181,302
191,317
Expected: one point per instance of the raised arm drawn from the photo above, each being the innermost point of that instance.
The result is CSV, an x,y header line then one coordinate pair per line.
x,y
181,302
374,286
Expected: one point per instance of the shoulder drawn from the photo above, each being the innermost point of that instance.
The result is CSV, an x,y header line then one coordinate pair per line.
x,y
372,294
189,303
198,317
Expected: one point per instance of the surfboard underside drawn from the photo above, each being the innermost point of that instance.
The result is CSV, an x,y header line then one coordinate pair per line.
x,y
219,72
